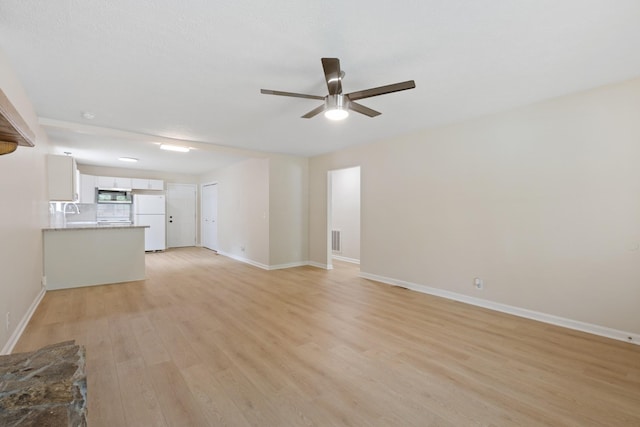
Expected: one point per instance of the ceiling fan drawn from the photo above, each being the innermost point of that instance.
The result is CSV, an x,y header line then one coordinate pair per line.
x,y
336,104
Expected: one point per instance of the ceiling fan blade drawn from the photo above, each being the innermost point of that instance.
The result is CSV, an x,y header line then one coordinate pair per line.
x,y
331,68
295,95
359,108
368,93
314,112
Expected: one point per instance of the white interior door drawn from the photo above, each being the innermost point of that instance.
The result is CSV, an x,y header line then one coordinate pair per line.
x,y
181,215
210,216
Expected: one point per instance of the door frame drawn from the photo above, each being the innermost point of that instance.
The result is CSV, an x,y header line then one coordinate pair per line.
x,y
329,265
204,184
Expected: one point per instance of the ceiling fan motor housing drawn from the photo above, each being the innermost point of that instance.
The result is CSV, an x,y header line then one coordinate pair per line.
x,y
336,102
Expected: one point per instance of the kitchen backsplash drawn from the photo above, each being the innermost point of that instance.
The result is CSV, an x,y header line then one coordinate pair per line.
x,y
76,212
113,210
86,212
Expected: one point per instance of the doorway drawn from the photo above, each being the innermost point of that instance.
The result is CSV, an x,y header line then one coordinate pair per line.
x,y
209,214
344,215
181,215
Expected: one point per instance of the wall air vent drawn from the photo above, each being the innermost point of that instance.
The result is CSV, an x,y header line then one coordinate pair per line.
x,y
336,241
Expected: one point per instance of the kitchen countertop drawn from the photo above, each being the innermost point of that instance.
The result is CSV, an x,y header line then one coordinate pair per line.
x,y
91,226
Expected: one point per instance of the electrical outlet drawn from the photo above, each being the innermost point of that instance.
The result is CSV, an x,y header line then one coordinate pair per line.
x,y
478,283
8,320
44,281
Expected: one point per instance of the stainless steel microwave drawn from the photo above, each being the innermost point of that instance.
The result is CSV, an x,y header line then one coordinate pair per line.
x,y
113,196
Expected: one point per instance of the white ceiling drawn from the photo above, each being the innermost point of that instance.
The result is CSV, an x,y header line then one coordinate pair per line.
x,y
193,70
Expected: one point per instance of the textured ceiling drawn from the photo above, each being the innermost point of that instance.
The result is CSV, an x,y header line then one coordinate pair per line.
x,y
193,69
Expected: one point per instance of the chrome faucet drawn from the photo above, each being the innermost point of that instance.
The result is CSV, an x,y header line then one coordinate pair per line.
x,y
64,210
75,205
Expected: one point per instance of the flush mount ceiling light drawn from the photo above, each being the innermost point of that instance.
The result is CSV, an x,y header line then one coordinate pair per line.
x,y
177,148
128,159
88,115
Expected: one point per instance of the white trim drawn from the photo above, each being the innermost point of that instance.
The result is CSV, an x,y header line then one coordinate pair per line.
x,y
245,260
319,265
516,311
17,333
329,222
345,259
288,265
277,266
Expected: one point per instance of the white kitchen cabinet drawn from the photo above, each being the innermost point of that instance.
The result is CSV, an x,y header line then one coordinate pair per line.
x,y
94,255
147,184
114,182
62,178
88,184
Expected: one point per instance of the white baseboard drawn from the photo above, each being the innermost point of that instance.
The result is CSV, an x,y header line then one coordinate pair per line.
x,y
276,266
345,259
318,265
516,311
17,333
245,260
289,265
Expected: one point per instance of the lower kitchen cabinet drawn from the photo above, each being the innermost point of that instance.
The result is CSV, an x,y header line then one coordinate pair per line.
x,y
86,256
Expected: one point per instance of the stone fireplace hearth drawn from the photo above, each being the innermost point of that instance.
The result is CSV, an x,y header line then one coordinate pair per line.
x,y
44,388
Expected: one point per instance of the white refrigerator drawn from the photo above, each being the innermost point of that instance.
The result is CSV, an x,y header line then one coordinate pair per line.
x,y
149,209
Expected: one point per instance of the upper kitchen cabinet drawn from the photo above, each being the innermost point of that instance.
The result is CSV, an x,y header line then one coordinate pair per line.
x,y
147,184
113,182
63,184
88,184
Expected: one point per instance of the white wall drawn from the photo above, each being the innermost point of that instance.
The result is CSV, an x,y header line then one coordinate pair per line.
x,y
243,210
288,211
263,208
23,212
542,202
345,210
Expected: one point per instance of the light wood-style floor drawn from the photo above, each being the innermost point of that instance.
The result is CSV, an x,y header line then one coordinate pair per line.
x,y
206,340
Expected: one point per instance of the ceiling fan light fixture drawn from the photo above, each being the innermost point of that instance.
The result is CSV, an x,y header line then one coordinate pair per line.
x,y
336,107
336,104
336,114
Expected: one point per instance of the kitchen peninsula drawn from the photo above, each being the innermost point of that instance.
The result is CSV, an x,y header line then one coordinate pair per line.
x,y
89,254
